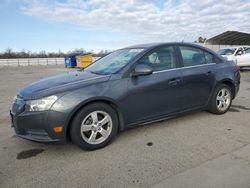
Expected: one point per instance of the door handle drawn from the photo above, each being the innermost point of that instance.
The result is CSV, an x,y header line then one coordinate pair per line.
x,y
174,81
209,73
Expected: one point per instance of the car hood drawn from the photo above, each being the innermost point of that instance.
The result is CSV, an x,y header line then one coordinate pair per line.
x,y
59,84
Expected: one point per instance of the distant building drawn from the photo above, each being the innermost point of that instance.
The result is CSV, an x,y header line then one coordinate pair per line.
x,y
226,39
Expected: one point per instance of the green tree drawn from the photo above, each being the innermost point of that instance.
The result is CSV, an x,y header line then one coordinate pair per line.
x,y
201,40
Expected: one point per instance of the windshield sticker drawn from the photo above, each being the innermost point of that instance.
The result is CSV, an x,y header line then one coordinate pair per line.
x,y
135,50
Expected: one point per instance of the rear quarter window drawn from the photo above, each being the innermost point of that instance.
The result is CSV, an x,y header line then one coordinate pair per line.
x,y
210,58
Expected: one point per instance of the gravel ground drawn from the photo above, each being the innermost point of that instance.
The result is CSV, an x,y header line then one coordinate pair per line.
x,y
145,156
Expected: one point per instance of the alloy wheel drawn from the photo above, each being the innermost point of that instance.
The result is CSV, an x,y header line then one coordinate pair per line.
x,y
96,127
223,99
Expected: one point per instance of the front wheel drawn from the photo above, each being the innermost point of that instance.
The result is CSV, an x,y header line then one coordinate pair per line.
x,y
94,126
221,99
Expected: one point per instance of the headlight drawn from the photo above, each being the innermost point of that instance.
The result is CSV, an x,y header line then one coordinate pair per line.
x,y
14,99
40,104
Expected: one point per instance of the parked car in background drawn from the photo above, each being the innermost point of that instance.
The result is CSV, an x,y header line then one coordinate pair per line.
x,y
126,88
238,54
244,59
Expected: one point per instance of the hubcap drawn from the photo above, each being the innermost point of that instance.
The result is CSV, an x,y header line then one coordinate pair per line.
x,y
96,127
223,99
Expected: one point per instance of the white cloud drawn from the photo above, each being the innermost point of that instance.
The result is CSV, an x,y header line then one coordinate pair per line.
x,y
147,21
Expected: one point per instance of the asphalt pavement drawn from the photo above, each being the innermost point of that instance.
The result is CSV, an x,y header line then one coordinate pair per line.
x,y
195,150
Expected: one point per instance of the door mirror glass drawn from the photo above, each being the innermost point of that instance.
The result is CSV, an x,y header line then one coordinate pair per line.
x,y
142,69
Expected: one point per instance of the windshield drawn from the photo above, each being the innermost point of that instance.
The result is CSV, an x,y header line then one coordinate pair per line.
x,y
113,62
227,51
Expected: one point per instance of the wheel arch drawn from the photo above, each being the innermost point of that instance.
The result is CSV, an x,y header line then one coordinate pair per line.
x,y
229,83
94,100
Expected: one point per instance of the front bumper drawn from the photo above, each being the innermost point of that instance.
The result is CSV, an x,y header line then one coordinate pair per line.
x,y
37,126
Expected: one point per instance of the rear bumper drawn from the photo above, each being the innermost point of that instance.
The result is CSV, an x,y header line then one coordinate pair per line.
x,y
237,83
237,88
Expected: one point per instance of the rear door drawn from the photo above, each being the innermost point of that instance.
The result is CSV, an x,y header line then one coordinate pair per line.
x,y
197,76
157,94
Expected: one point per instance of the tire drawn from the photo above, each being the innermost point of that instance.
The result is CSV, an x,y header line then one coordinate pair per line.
x,y
94,126
221,99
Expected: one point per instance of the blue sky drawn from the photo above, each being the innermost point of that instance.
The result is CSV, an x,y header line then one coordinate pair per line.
x,y
64,25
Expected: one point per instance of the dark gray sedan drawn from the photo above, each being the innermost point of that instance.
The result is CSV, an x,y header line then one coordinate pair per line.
x,y
128,87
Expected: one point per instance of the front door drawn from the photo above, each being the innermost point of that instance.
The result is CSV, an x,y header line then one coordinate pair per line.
x,y
158,94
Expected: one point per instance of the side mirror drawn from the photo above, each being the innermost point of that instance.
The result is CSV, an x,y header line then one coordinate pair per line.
x,y
142,69
239,53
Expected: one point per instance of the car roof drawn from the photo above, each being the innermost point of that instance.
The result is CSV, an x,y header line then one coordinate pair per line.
x,y
150,46
153,45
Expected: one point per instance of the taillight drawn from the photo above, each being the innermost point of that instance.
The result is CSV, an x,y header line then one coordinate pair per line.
x,y
237,68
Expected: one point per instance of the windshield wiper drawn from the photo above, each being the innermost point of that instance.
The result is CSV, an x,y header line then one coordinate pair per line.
x,y
96,72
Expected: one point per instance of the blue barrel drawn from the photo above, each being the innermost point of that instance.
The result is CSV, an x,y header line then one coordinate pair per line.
x,y
70,61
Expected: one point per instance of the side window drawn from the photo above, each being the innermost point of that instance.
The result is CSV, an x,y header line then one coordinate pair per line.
x,y
247,51
160,59
192,56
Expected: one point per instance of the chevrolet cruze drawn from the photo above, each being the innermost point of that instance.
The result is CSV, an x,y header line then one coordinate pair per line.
x,y
128,87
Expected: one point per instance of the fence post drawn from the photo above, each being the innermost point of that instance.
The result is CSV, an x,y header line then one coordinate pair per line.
x,y
47,61
38,61
18,63
56,61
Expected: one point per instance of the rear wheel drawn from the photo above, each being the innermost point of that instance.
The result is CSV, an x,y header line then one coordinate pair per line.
x,y
94,126
221,99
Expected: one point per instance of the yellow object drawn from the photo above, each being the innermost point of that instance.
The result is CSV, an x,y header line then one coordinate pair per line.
x,y
84,60
58,129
